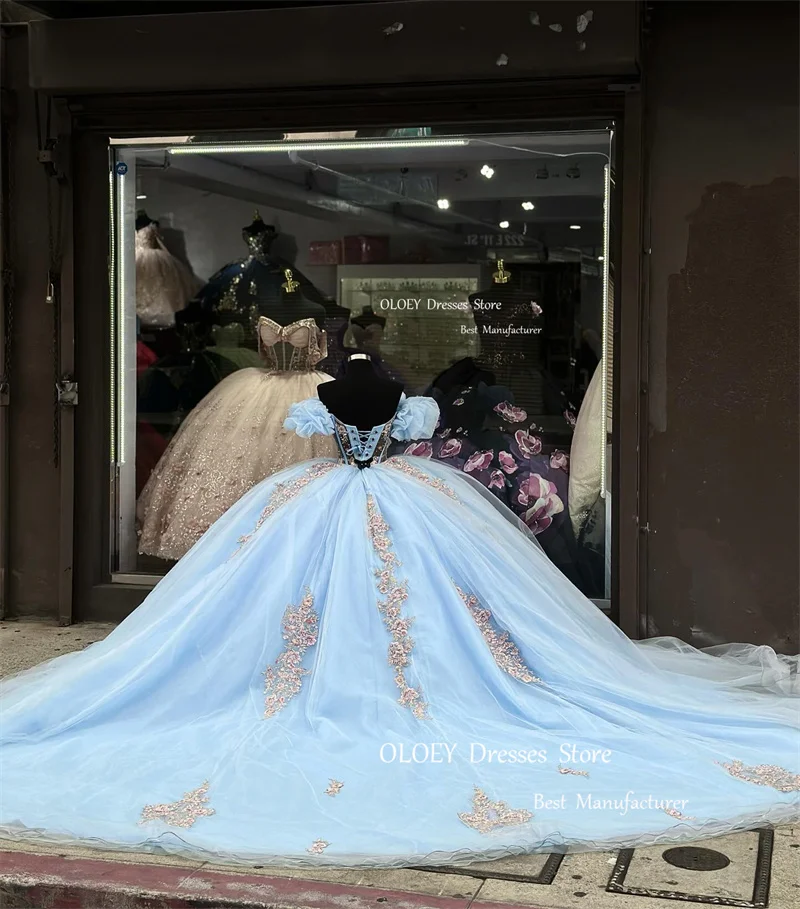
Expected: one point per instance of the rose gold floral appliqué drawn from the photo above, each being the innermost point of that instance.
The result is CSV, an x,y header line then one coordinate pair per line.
x,y
285,679
409,470
572,771
285,492
764,775
318,847
334,788
396,593
182,813
502,648
673,812
487,815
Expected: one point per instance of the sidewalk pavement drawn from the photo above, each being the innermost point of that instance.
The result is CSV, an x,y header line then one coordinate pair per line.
x,y
753,870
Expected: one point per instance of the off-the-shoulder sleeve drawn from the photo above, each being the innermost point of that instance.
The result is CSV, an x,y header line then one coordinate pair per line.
x,y
416,418
308,418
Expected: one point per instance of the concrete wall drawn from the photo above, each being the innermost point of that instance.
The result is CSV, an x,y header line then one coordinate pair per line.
x,y
722,496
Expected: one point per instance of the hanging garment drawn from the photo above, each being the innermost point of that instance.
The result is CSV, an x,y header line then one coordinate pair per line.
x,y
233,439
369,661
164,284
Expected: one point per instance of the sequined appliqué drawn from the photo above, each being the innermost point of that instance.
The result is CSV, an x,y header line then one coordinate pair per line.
x,y
502,648
285,679
764,775
572,771
318,847
285,492
334,788
182,813
487,815
409,470
396,593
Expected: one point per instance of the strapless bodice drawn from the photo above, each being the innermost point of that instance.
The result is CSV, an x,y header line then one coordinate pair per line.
x,y
298,346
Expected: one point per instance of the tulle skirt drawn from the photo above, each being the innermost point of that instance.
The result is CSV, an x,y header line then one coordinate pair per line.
x,y
233,439
164,285
381,667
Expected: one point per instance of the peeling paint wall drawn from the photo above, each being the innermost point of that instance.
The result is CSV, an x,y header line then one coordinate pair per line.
x,y
722,491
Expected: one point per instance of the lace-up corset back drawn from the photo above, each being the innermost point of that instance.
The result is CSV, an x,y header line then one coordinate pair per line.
x,y
295,347
362,447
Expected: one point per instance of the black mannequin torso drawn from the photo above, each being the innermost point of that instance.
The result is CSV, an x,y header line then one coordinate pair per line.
x,y
361,398
291,307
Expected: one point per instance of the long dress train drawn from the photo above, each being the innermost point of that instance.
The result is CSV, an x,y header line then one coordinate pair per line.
x,y
370,661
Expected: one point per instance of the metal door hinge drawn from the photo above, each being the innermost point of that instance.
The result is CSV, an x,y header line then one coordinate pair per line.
x,y
67,392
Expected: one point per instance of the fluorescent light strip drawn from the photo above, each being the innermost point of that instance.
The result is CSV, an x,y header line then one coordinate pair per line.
x,y
314,146
607,329
121,300
112,286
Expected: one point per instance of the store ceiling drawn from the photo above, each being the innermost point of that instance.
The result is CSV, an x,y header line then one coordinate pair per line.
x,y
84,9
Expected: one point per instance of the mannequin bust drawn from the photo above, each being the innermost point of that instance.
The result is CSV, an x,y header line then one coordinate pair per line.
x,y
291,305
362,397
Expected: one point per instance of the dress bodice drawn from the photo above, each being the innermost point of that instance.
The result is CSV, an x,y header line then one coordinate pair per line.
x,y
415,418
297,346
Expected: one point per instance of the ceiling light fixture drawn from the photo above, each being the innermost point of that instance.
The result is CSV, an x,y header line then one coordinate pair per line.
x,y
574,227
528,206
270,147
487,171
443,203
504,224
141,196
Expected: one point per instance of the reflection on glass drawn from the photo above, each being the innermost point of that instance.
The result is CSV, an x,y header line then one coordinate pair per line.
x,y
507,327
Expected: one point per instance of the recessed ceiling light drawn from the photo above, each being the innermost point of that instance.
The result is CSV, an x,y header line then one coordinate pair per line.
x,y
141,196
600,258
504,224
487,171
528,206
574,227
443,203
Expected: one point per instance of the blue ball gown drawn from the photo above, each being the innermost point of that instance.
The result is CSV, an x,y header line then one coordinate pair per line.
x,y
370,661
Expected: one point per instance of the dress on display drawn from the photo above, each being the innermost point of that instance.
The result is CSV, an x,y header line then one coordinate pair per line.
x,y
164,285
342,668
233,439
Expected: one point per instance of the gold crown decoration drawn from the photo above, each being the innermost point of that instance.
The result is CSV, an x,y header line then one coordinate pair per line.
x,y
290,286
501,276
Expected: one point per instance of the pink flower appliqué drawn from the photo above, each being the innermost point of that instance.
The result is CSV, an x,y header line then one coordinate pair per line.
x,y
528,445
507,462
479,461
444,433
570,417
541,501
458,402
420,449
497,480
450,448
508,412
559,460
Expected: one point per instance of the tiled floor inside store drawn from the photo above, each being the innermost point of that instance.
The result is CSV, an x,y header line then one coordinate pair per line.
x,y
752,869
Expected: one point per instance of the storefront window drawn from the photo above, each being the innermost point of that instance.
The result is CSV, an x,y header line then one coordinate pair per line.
x,y
473,268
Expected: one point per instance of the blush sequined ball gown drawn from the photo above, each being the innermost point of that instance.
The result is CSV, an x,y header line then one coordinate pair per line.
x,y
368,661
233,439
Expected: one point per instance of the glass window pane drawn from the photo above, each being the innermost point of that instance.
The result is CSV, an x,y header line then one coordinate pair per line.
x,y
472,267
